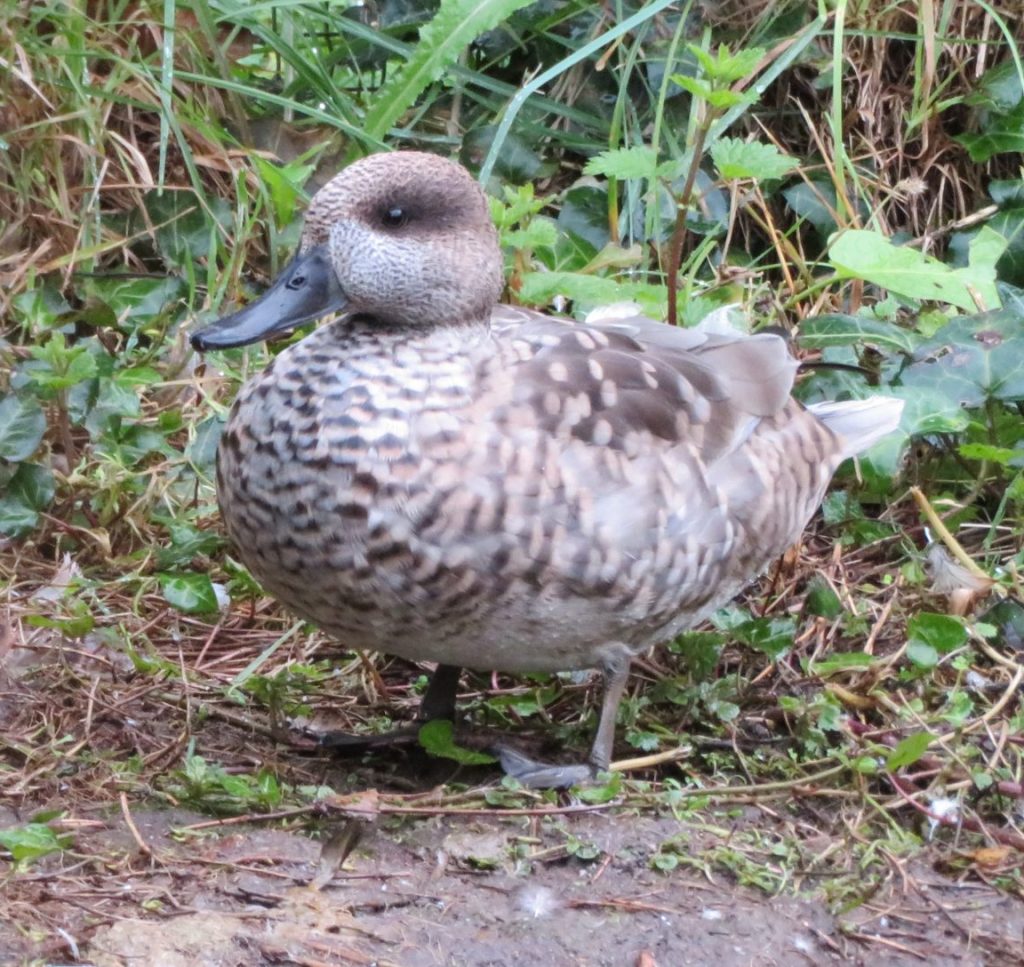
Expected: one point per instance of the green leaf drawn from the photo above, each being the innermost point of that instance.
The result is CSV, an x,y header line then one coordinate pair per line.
x,y
284,184
538,233
942,632
999,88
22,424
842,662
771,636
816,202
588,291
602,793
985,451
133,302
624,163
33,840
438,738
735,158
189,592
821,599
860,254
698,88
1003,134
922,655
822,332
28,492
454,27
723,65
972,360
908,751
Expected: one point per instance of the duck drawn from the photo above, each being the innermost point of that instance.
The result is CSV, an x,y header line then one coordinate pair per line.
x,y
442,477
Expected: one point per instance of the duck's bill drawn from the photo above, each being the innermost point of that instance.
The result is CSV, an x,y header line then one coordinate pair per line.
x,y
307,289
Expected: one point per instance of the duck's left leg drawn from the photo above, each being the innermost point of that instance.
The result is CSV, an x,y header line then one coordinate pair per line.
x,y
438,703
543,775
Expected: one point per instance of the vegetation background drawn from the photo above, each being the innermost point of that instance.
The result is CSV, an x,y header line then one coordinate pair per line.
x,y
848,172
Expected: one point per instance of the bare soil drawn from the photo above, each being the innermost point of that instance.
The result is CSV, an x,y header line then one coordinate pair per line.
x,y
437,876
442,890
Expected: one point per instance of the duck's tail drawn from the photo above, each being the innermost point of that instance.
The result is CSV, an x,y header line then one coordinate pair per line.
x,y
860,423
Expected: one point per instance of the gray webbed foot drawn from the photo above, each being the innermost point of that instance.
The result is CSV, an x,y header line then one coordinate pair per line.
x,y
542,775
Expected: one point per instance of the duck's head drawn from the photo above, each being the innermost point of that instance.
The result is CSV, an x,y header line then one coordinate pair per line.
x,y
404,238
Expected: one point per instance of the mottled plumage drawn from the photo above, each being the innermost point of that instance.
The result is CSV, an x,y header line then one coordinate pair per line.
x,y
442,478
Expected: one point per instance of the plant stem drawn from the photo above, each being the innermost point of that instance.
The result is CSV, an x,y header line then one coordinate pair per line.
x,y
675,245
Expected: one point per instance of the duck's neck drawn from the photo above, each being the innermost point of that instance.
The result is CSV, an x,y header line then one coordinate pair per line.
x,y
386,335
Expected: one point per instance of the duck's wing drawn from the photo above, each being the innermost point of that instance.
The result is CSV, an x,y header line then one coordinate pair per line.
x,y
634,381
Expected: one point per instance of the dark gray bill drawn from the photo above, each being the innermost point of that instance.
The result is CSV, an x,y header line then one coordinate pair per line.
x,y
305,290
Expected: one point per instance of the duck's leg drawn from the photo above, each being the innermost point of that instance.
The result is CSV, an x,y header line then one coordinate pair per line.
x,y
543,775
438,703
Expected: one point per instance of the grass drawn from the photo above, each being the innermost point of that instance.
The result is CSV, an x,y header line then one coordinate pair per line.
x,y
146,185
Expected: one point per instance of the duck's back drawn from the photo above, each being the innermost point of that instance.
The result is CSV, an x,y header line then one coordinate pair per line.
x,y
520,497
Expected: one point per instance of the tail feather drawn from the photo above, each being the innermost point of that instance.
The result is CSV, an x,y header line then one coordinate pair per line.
x,y
860,423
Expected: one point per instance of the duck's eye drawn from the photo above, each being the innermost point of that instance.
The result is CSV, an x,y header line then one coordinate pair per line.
x,y
395,217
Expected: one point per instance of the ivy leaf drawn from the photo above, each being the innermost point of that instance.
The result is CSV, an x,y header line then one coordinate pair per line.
x,y
27,493
823,332
1003,134
972,360
438,738
735,158
190,593
22,424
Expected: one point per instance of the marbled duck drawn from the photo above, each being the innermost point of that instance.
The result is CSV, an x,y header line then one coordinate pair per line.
x,y
440,477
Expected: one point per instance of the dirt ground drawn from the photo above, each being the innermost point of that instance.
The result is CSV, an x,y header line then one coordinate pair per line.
x,y
436,876
438,890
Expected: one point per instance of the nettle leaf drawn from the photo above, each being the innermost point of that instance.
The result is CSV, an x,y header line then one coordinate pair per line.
x,y
438,738
22,424
698,88
624,163
735,158
725,66
861,254
908,751
972,360
189,592
588,291
538,233
985,451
